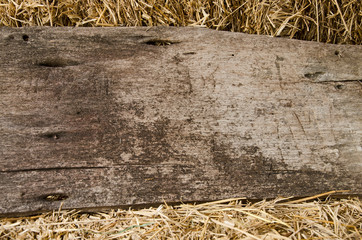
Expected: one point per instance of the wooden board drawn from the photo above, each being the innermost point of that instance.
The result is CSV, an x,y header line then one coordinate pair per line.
x,y
99,117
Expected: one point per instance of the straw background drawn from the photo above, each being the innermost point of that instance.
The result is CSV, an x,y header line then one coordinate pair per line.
x,y
281,218
331,21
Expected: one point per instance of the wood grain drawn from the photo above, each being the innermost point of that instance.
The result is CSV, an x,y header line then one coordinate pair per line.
x,y
97,117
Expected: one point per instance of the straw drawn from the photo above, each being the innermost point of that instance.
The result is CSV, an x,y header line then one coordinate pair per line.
x,y
327,218
331,21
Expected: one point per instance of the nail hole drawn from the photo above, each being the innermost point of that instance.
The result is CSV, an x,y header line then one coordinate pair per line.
x,y
25,37
55,197
160,42
51,64
339,86
54,136
232,55
313,75
336,52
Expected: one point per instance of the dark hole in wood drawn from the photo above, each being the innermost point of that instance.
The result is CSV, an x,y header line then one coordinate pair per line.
x,y
339,86
52,63
78,112
25,37
336,52
57,63
55,197
160,42
232,55
313,75
189,53
54,136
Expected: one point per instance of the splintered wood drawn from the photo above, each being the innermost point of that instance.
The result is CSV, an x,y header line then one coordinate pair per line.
x,y
126,116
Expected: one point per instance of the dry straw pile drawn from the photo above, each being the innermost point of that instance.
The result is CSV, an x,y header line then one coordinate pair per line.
x,y
331,21
228,219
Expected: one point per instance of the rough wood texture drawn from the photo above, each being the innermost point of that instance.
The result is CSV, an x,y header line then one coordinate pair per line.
x,y
117,116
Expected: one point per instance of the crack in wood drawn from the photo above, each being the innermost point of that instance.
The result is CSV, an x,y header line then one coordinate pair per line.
x,y
50,169
340,80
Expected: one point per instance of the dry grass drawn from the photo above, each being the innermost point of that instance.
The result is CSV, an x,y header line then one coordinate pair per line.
x,y
228,219
331,21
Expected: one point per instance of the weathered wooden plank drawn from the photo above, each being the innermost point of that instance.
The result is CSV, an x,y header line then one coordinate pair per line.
x,y
117,116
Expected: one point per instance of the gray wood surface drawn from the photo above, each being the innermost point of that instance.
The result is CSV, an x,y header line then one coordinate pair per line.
x,y
98,117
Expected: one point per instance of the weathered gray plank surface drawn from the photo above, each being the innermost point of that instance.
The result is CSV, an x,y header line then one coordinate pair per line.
x,y
105,117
